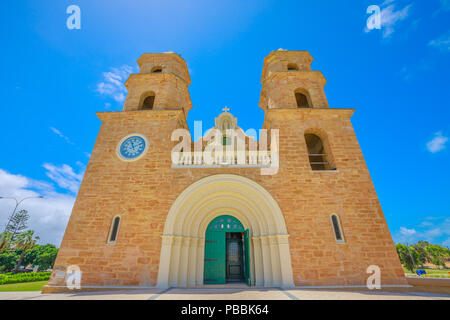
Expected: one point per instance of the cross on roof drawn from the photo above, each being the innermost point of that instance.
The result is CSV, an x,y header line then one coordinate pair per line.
x,y
225,109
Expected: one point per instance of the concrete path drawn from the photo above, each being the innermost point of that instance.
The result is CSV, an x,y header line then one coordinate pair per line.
x,y
226,294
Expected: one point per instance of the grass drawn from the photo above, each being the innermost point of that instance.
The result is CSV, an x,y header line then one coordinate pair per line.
x,y
431,273
429,270
25,286
428,275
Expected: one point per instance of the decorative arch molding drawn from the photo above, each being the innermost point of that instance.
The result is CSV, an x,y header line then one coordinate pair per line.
x,y
183,239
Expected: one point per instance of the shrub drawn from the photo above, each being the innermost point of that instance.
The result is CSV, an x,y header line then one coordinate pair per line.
x,y
24,277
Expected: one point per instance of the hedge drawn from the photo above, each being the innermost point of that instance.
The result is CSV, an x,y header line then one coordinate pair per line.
x,y
7,278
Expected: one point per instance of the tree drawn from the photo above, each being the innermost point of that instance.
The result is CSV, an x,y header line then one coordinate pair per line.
x,y
46,260
41,255
421,248
408,258
6,239
8,261
438,255
17,223
25,240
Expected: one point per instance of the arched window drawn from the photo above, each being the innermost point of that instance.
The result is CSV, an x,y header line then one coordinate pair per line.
x,y
292,67
318,158
148,102
337,229
157,69
114,229
302,100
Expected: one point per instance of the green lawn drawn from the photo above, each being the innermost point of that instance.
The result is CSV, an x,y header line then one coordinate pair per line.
x,y
428,275
24,286
429,270
431,273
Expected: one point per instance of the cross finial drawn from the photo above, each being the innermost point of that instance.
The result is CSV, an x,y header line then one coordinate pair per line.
x,y
225,109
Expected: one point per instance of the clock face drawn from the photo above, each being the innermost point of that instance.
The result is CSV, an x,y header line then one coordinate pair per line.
x,y
132,147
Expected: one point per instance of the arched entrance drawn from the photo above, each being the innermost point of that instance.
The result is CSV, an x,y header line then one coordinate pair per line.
x,y
183,240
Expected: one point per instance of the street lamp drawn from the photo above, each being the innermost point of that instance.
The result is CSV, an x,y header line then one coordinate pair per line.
x,y
14,212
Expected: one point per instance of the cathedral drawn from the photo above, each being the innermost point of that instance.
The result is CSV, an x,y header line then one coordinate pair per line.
x,y
294,207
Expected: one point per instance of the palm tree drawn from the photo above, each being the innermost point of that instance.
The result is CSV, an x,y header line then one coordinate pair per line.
x,y
25,240
4,246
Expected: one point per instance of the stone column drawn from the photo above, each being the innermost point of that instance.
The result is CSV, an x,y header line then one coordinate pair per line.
x,y
258,261
175,261
287,280
200,261
193,261
267,261
275,255
164,261
184,262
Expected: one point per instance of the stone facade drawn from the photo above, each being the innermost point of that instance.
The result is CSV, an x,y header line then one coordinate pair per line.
x,y
142,192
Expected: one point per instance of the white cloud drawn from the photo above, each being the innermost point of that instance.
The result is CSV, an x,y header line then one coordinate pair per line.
x,y
48,216
113,83
65,176
407,232
430,232
442,43
59,133
426,224
437,143
390,17
406,235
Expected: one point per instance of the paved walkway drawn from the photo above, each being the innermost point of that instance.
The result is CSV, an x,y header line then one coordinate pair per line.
x,y
226,294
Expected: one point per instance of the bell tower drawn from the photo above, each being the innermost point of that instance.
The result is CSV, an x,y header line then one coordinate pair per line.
x,y
288,82
161,84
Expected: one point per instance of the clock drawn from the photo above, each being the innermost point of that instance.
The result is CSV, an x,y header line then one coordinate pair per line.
x,y
132,147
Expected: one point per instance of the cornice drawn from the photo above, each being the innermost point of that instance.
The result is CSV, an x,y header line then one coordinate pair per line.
x,y
141,115
308,113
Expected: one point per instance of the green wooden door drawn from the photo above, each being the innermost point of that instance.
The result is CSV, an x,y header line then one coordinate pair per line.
x,y
248,275
214,272
215,265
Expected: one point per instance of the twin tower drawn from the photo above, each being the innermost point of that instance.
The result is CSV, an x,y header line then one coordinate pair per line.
x,y
287,79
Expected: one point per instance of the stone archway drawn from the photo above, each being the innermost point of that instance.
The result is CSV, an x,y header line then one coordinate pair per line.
x,y
182,250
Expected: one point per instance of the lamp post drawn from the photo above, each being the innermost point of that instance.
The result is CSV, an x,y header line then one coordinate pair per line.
x,y
14,212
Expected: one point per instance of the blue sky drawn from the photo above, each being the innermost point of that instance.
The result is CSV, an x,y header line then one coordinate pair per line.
x,y
396,78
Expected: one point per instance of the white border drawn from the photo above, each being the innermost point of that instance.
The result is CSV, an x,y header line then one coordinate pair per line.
x,y
147,145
